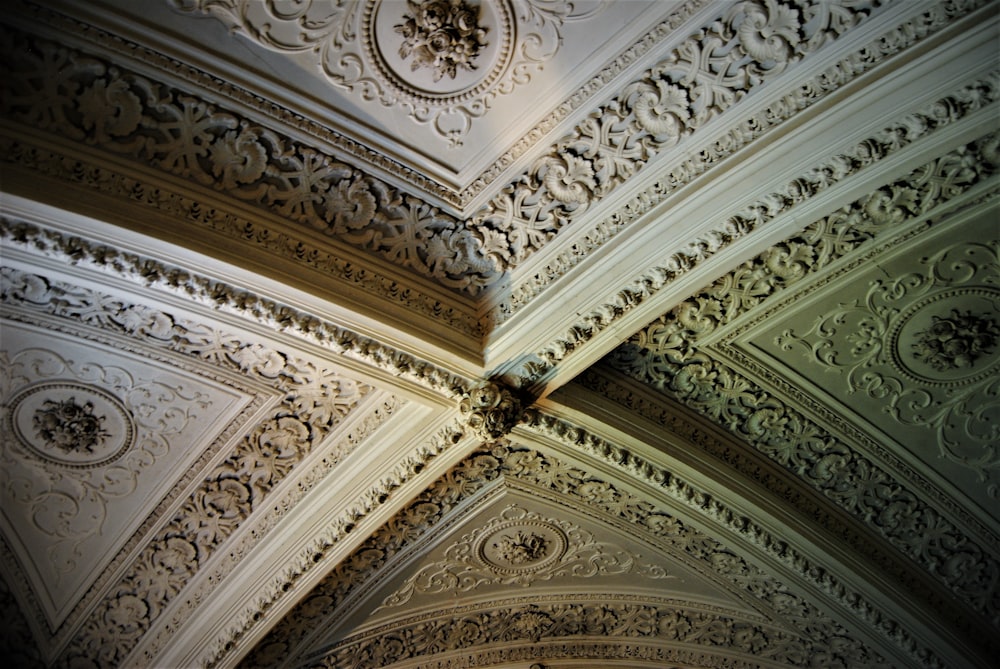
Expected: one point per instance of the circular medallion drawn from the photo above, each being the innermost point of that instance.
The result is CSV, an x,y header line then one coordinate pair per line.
x,y
521,546
438,52
71,424
951,338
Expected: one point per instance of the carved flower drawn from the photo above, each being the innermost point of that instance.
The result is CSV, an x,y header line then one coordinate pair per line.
x,y
442,35
126,617
661,111
270,452
521,547
162,573
529,624
674,625
956,341
110,109
350,206
238,158
222,505
768,31
490,411
69,426
569,179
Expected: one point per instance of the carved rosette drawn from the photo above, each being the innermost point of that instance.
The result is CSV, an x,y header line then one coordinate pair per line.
x,y
520,545
490,410
71,424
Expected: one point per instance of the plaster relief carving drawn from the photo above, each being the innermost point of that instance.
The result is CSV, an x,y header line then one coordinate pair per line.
x,y
314,400
445,37
883,209
641,625
923,346
520,547
104,429
490,410
191,137
65,431
441,61
586,490
956,341
668,355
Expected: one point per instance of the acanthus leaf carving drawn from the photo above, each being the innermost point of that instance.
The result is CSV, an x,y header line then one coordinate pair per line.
x,y
666,356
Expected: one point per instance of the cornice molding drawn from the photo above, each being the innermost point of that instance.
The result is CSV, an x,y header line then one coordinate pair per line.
x,y
270,595
95,102
588,491
664,629
696,163
274,316
666,356
972,100
256,529
167,128
133,188
645,404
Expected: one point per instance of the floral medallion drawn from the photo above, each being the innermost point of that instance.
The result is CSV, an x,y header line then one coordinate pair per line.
x,y
439,52
949,337
71,424
521,546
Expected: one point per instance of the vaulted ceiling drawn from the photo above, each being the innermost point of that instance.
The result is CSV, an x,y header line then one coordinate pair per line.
x,y
500,333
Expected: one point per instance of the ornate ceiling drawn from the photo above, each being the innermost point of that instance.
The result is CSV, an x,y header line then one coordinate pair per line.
x,y
500,333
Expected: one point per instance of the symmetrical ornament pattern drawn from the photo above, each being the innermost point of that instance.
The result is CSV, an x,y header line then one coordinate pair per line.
x,y
247,305
381,51
667,356
68,426
63,465
811,633
865,154
184,135
315,400
906,348
538,622
956,341
443,36
521,547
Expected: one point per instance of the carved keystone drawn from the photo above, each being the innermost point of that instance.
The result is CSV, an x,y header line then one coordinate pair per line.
x,y
490,410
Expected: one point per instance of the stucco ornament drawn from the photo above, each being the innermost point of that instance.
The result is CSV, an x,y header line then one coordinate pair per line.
x,y
956,341
70,426
443,62
521,547
442,35
490,410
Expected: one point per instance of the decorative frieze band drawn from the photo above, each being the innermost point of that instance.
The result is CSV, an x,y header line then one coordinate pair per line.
x,y
273,315
666,355
910,128
97,102
697,163
59,90
538,622
689,545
